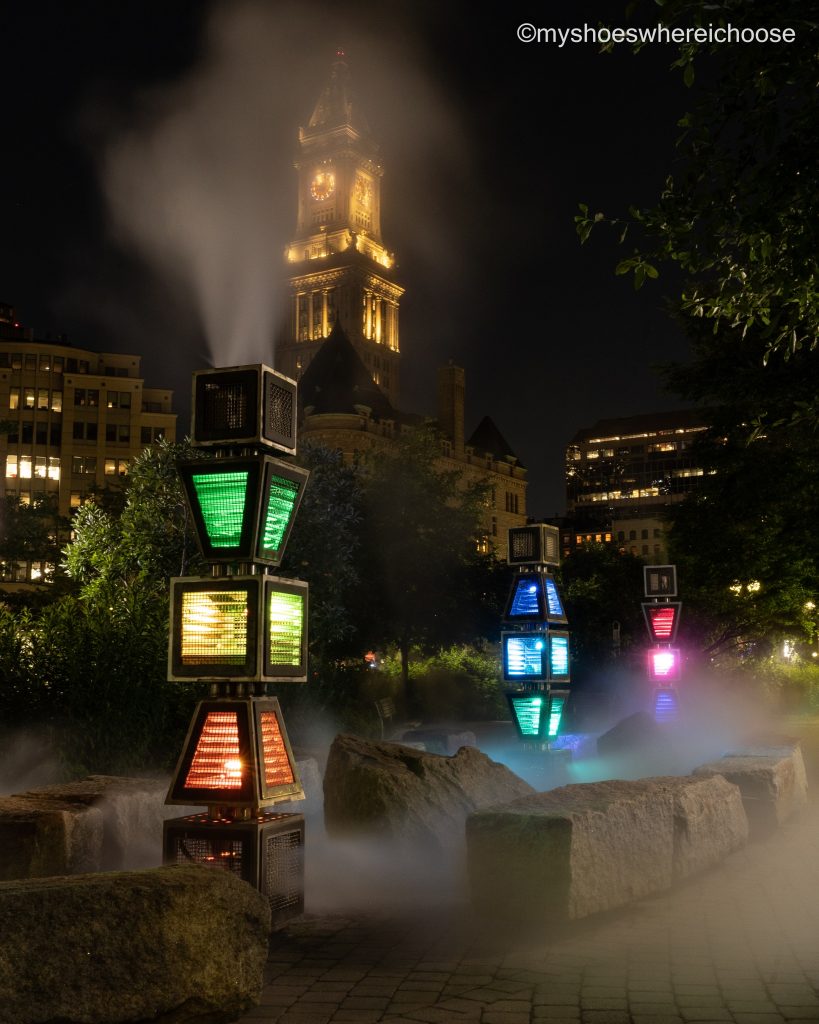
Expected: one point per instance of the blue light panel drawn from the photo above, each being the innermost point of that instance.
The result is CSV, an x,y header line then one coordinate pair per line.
x,y
524,656
666,705
525,602
553,599
558,656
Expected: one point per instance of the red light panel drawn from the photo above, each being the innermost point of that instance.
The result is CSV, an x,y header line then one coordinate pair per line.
x,y
662,622
277,768
217,762
662,619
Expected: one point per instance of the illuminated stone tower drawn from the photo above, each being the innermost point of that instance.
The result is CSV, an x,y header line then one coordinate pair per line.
x,y
339,268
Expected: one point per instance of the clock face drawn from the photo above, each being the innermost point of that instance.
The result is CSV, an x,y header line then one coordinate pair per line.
x,y
363,191
323,185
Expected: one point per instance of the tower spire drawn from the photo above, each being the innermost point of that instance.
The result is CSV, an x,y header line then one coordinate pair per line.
x,y
338,265
335,106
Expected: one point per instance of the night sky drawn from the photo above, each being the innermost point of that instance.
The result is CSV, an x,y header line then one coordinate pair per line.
x,y
147,193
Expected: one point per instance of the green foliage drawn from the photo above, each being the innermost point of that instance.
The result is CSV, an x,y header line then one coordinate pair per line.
x,y
323,549
739,216
33,532
96,680
745,544
149,542
456,683
793,685
93,667
425,582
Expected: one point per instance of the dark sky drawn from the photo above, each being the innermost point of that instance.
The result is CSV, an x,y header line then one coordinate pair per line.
x,y
489,144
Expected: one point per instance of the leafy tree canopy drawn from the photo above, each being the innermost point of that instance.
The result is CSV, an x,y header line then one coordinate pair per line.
x,y
423,580
740,216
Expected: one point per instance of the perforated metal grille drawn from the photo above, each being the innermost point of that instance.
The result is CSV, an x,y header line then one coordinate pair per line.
x,y
283,871
277,768
225,407
219,853
279,410
523,544
216,763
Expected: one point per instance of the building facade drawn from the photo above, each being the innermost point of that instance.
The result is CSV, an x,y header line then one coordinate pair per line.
x,y
338,267
343,408
72,419
631,466
623,474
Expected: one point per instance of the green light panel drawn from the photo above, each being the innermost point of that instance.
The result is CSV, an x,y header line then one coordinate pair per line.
x,y
527,711
222,497
286,628
555,714
214,627
283,494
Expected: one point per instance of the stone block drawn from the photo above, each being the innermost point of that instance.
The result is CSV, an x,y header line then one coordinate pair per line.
x,y
173,944
395,792
709,822
573,851
772,782
133,811
42,837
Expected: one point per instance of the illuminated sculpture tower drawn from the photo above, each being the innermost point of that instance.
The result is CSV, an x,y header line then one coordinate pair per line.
x,y
536,669
662,617
241,629
339,268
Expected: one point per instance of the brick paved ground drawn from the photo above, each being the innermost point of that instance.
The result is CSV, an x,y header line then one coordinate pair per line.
x,y
740,943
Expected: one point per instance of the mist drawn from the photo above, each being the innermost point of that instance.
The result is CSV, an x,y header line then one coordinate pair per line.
x,y
198,174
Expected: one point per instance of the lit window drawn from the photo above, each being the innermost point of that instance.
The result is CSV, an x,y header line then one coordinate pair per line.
x,y
122,467
29,398
45,364
14,398
25,467
593,455
56,401
11,467
40,467
76,499
110,467
42,398
53,467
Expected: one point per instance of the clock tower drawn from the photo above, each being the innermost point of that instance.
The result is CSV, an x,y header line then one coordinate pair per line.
x,y
339,270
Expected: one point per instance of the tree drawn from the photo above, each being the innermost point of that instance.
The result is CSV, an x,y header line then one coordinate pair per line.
x,y
738,219
741,216
150,541
601,586
324,548
33,532
423,581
